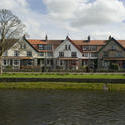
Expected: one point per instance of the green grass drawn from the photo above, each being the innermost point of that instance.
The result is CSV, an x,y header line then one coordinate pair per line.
x,y
62,75
60,85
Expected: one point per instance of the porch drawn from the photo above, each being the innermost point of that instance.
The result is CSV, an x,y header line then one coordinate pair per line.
x,y
68,63
108,63
17,62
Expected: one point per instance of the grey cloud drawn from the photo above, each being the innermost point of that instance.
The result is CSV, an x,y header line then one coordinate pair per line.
x,y
99,13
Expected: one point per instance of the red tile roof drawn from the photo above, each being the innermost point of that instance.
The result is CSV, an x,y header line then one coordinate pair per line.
x,y
35,42
77,43
91,42
78,47
122,42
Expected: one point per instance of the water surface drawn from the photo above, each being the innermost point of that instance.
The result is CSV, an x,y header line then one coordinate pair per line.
x,y
61,107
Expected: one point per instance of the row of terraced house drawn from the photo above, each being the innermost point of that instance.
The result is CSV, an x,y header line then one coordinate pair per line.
x,y
67,54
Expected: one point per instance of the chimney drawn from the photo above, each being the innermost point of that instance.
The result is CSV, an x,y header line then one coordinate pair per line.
x,y
88,39
24,36
46,37
110,37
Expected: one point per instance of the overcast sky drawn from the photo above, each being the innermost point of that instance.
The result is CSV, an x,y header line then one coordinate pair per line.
x,y
76,18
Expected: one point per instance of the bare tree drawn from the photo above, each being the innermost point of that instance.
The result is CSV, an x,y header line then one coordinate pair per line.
x,y
11,30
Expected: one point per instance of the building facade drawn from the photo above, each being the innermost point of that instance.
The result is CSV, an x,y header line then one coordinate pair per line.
x,y
50,55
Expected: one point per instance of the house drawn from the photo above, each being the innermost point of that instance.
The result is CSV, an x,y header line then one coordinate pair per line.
x,y
65,54
30,54
113,52
68,55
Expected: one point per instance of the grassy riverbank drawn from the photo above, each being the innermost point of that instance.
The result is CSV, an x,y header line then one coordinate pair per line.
x,y
63,75
61,85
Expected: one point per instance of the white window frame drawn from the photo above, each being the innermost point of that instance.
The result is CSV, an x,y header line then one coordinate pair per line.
x,y
85,54
16,60
16,53
74,54
28,55
4,63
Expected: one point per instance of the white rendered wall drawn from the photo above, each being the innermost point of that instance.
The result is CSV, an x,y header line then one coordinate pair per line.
x,y
67,53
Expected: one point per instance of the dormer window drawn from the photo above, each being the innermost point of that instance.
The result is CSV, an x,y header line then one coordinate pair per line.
x,y
48,47
85,48
41,54
93,48
41,47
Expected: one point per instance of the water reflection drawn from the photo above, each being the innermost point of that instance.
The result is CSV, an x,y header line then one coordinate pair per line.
x,y
58,107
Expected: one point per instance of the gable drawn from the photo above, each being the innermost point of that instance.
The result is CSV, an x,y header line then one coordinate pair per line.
x,y
112,49
23,51
67,47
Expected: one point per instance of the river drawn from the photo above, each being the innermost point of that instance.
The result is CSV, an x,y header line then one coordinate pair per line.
x,y
61,107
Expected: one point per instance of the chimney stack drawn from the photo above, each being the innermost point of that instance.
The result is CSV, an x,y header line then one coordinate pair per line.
x,y
24,36
89,38
110,37
46,37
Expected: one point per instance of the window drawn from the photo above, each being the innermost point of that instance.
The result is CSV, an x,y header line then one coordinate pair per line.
x,y
16,62
85,48
84,62
29,53
49,54
41,54
49,47
93,55
45,47
105,54
93,48
61,62
29,62
5,53
16,53
23,46
119,54
67,47
85,55
113,47
41,47
5,62
48,62
61,54
73,54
